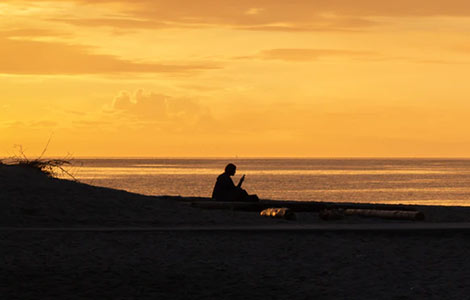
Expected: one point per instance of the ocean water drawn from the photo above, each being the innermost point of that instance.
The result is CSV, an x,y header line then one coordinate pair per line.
x,y
407,181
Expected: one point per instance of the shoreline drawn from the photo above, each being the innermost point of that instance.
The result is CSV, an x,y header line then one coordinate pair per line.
x,y
30,198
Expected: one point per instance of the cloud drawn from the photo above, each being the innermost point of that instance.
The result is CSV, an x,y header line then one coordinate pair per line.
x,y
145,111
14,124
284,27
75,112
44,123
147,105
31,124
258,12
264,15
40,57
244,15
30,33
305,54
301,10
319,24
90,124
440,61
124,23
254,11
159,108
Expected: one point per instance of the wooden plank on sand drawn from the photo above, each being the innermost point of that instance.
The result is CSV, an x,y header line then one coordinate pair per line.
x,y
387,214
296,206
244,206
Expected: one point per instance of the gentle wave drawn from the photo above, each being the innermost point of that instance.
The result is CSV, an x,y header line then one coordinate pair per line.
x,y
203,171
408,181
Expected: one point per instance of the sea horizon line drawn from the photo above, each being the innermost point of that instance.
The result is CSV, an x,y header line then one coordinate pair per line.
x,y
251,157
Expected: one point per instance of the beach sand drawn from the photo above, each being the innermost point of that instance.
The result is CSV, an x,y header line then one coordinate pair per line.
x,y
222,264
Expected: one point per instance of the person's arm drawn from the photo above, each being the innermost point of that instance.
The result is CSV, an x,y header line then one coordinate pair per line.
x,y
241,181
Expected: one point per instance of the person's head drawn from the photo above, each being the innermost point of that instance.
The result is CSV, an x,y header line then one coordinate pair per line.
x,y
230,169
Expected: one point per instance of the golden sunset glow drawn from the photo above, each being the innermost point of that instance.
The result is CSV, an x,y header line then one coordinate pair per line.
x,y
256,78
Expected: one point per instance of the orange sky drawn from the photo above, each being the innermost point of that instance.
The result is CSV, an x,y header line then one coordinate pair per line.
x,y
301,78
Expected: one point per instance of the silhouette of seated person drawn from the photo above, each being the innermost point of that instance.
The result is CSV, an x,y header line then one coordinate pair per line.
x,y
226,190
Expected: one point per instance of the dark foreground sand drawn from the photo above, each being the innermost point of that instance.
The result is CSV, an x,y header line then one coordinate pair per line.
x,y
210,265
218,265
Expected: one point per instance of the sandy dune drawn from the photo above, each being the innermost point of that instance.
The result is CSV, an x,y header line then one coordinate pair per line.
x,y
210,265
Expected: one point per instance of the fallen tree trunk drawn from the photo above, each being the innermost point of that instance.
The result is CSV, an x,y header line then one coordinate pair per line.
x,y
295,206
243,206
387,214
259,206
331,214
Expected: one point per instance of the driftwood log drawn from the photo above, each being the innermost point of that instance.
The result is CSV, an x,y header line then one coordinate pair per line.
x,y
387,214
279,212
331,214
327,211
295,206
242,206
259,206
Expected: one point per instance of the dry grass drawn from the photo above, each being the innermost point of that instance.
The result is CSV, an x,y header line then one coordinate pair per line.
x,y
50,167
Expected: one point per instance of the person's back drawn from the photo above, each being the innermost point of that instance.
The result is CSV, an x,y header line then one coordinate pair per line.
x,y
226,190
223,187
